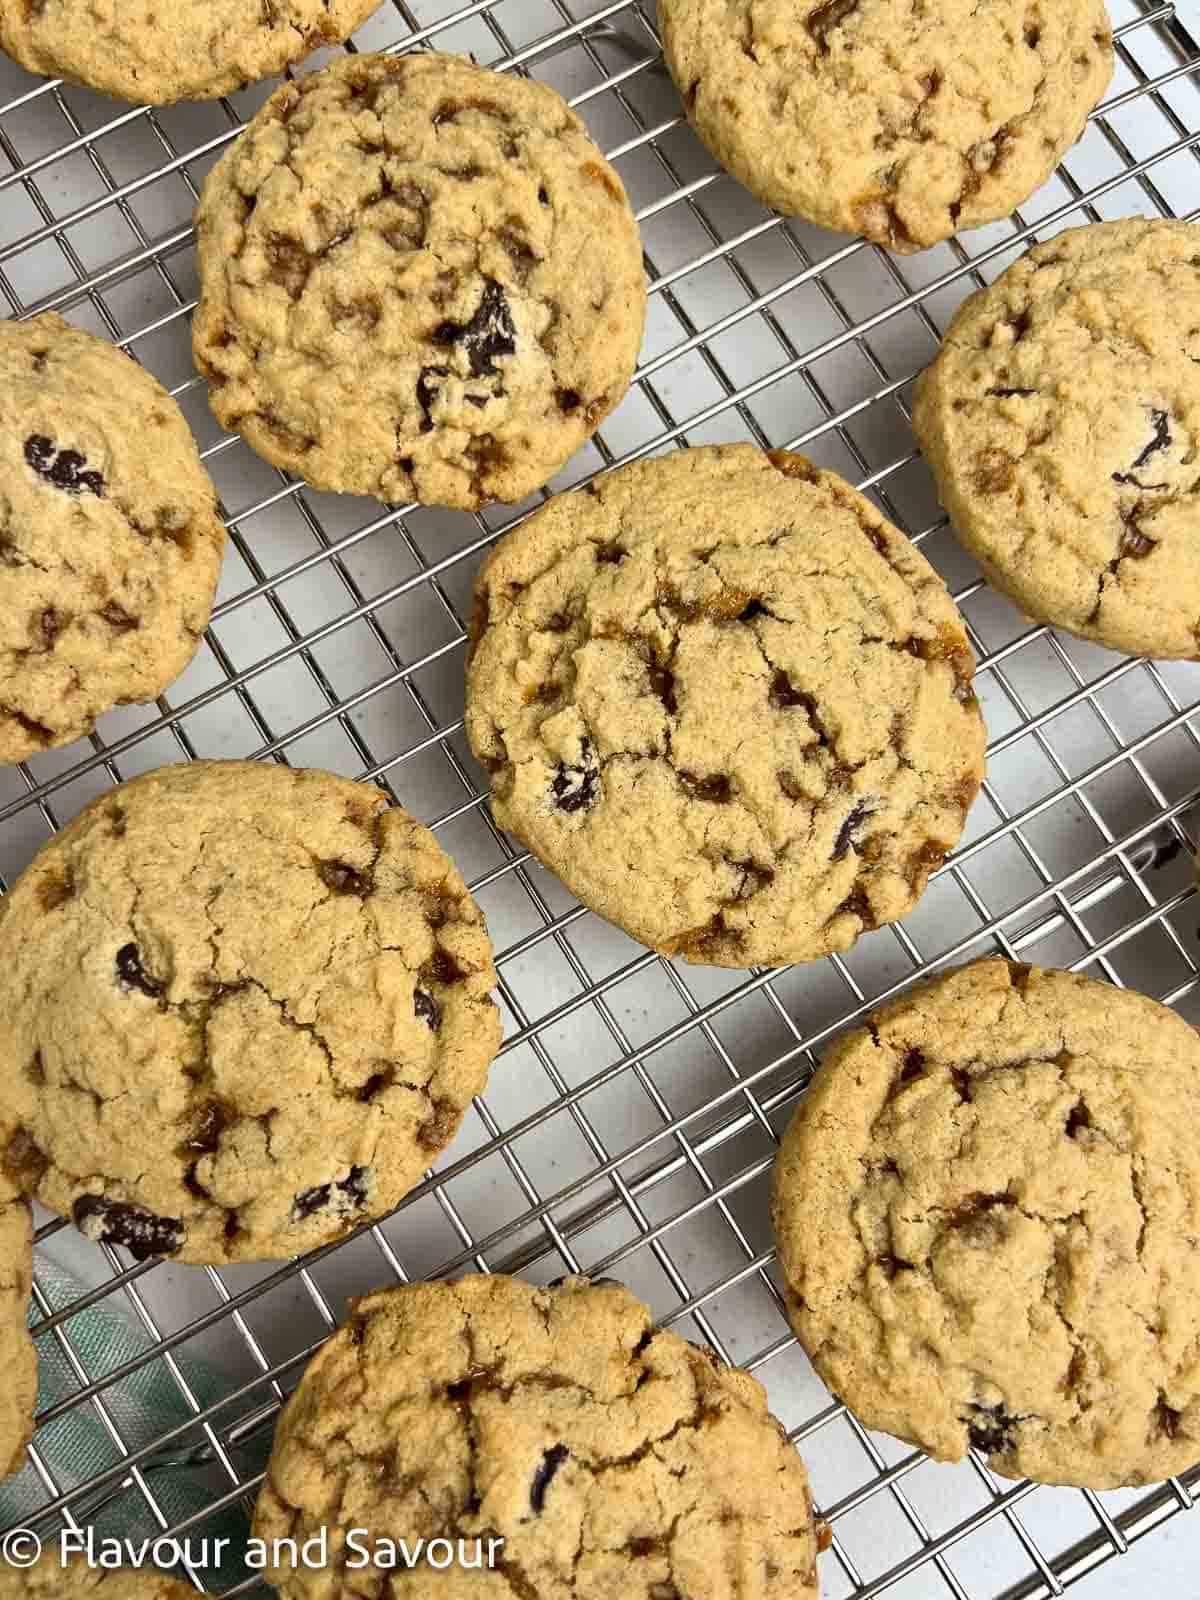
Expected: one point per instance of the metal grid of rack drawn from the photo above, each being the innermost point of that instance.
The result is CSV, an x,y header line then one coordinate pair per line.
x,y
630,1122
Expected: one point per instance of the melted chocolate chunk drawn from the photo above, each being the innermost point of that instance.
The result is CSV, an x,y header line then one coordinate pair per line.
x,y
136,1230
345,1195
574,787
132,975
1078,1118
1160,441
342,878
65,469
849,828
990,1429
427,393
426,1007
490,332
544,1476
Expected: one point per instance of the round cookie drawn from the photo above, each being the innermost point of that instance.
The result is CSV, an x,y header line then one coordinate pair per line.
x,y
49,1579
269,979
18,1360
609,1456
154,53
1061,419
727,703
110,543
987,1208
419,280
898,120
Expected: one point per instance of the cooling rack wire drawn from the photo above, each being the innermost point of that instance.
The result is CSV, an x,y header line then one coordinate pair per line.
x,y
630,1122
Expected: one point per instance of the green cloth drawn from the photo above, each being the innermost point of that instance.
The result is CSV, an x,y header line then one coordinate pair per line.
x,y
142,1406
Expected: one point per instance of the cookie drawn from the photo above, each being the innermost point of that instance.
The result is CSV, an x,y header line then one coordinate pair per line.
x,y
727,703
609,1456
151,53
268,978
110,543
898,120
18,1392
49,1579
987,1209
1062,422
419,280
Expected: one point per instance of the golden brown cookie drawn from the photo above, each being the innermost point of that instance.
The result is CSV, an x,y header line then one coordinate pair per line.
x,y
728,703
419,280
18,1361
110,543
606,1456
242,1008
1062,422
901,120
157,51
988,1215
50,1579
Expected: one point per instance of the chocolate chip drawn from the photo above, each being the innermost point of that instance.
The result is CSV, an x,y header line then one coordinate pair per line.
x,y
342,878
139,1231
609,555
718,789
427,393
573,788
65,469
662,683
1160,441
754,609
490,332
207,1126
1078,1118
117,617
845,838
990,1429
821,22
342,1196
544,1476
569,400
132,975
914,1066
443,968
1167,1419
426,1007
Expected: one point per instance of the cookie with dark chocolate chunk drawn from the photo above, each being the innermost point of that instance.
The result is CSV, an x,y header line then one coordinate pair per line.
x,y
987,1208
558,1428
242,1008
728,703
450,308
110,542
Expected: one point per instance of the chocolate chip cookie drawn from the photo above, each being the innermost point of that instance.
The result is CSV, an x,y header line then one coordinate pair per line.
x,y
419,280
18,1391
110,543
154,53
609,1457
242,1008
728,703
899,120
988,1207
49,1579
1062,422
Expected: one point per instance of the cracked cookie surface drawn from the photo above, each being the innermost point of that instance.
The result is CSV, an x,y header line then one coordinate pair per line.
x,y
1061,419
110,543
242,1009
612,1458
18,1361
154,53
727,703
419,280
898,120
49,1578
987,1208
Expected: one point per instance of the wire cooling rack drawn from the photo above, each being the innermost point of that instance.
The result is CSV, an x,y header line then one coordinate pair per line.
x,y
630,1122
